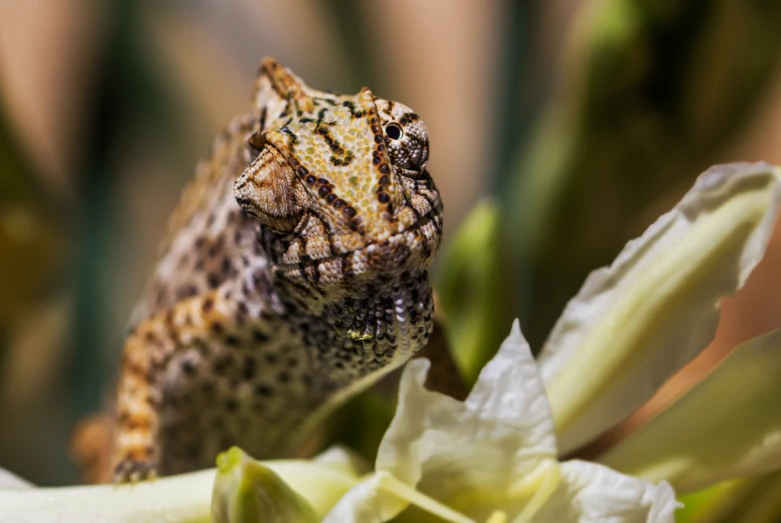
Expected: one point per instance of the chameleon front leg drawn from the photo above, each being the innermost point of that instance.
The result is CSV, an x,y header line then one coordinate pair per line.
x,y
149,348
136,451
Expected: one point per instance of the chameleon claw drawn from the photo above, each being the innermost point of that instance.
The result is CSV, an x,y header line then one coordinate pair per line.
x,y
134,471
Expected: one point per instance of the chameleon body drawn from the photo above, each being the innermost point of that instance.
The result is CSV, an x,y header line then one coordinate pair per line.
x,y
295,274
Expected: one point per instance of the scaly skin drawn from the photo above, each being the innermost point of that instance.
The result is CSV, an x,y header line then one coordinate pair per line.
x,y
295,275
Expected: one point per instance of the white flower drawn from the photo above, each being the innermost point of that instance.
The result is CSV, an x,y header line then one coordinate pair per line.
x,y
492,458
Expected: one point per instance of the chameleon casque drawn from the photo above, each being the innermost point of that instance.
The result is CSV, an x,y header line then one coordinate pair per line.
x,y
294,275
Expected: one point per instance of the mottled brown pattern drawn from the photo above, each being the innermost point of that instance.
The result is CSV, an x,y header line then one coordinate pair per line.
x,y
294,275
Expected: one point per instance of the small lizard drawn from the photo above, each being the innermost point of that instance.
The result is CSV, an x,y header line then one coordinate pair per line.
x,y
295,274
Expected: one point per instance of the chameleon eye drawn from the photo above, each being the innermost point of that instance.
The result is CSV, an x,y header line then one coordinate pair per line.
x,y
394,131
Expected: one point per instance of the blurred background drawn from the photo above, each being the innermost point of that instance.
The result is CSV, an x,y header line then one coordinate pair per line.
x,y
560,129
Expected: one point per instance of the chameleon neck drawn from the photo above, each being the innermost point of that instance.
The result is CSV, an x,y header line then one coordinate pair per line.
x,y
370,329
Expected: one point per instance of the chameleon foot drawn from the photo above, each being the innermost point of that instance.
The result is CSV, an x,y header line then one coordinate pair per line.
x,y
133,471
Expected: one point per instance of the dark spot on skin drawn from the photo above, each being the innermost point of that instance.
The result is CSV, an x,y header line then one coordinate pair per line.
x,y
263,390
349,212
383,197
376,160
208,305
384,180
241,308
188,367
323,191
260,336
248,370
339,203
283,377
384,169
409,118
377,138
330,198
302,171
233,341
271,358
311,179
222,364
217,327
231,405
226,266
213,280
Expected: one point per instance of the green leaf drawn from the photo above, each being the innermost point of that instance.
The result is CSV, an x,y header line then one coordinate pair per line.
x,y
475,290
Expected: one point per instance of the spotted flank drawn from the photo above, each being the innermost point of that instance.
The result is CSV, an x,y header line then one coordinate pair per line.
x,y
294,274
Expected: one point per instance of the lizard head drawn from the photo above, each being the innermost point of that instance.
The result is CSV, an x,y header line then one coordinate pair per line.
x,y
339,182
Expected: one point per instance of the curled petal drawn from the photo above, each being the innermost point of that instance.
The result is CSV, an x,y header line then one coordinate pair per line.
x,y
728,425
589,492
637,322
500,435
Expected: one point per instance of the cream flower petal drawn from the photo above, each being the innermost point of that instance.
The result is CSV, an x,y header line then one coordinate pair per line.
x,y
185,497
486,451
590,492
635,323
728,425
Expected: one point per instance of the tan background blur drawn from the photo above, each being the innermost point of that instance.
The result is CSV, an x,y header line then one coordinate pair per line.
x,y
110,104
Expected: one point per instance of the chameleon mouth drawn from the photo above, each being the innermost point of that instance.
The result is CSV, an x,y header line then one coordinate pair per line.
x,y
419,237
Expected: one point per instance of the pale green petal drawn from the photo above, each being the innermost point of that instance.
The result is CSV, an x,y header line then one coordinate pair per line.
x,y
368,502
728,425
486,453
344,460
634,324
589,492
246,491
183,498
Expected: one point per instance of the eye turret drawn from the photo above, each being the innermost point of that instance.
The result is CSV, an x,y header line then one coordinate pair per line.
x,y
407,140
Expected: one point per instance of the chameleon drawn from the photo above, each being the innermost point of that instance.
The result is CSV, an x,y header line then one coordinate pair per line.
x,y
295,274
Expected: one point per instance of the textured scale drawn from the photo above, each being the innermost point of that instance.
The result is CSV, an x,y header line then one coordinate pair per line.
x,y
294,274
